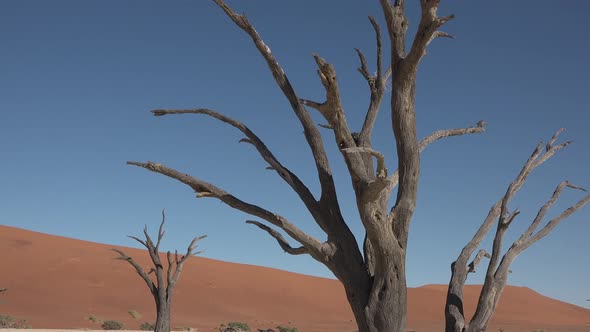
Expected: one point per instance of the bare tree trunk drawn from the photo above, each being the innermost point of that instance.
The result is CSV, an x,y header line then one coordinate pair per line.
x,y
162,289
381,307
454,312
386,310
163,311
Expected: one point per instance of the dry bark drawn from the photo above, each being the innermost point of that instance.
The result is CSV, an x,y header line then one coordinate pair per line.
x,y
499,265
374,278
163,287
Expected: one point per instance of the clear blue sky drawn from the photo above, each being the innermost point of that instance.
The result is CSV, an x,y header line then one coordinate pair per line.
x,y
77,80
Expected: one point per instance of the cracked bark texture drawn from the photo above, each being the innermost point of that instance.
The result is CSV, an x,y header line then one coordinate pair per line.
x,y
165,279
373,275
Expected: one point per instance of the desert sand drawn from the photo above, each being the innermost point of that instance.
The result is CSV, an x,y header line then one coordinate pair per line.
x,y
56,282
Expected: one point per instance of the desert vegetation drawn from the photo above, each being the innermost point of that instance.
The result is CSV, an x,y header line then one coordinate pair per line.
x,y
10,322
146,326
234,327
162,289
373,274
112,325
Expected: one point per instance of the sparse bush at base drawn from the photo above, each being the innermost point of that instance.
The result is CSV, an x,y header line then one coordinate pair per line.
x,y
9,322
287,329
112,325
146,326
234,327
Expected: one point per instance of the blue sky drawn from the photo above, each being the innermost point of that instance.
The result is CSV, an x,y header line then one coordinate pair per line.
x,y
78,79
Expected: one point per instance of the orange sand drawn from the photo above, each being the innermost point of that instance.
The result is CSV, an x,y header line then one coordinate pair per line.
x,y
56,282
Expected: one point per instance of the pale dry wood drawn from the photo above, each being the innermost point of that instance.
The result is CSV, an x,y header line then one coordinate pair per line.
x,y
332,111
435,136
274,164
280,239
381,169
480,255
312,135
331,219
498,267
377,84
209,190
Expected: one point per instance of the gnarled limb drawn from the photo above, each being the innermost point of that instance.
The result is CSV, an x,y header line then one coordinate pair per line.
x,y
480,254
381,169
439,134
427,30
298,186
529,236
376,84
312,135
435,136
280,239
199,186
332,111
495,281
138,268
179,262
332,221
403,104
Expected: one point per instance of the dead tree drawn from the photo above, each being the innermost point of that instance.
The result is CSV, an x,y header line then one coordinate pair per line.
x,y
163,287
498,269
374,277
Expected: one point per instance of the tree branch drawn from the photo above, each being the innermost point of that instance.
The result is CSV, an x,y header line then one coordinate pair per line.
x,y
381,169
190,251
527,238
427,30
435,136
376,84
312,134
439,134
498,212
496,274
364,68
139,269
332,111
536,159
280,239
481,254
161,230
298,186
200,186
397,25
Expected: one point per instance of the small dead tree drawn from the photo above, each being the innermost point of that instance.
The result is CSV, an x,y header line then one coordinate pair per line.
x,y
373,274
163,287
498,269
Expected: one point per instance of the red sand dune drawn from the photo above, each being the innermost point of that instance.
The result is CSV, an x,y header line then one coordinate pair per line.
x,y
56,282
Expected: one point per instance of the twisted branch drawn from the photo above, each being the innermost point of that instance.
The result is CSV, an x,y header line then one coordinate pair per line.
x,y
209,190
280,239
